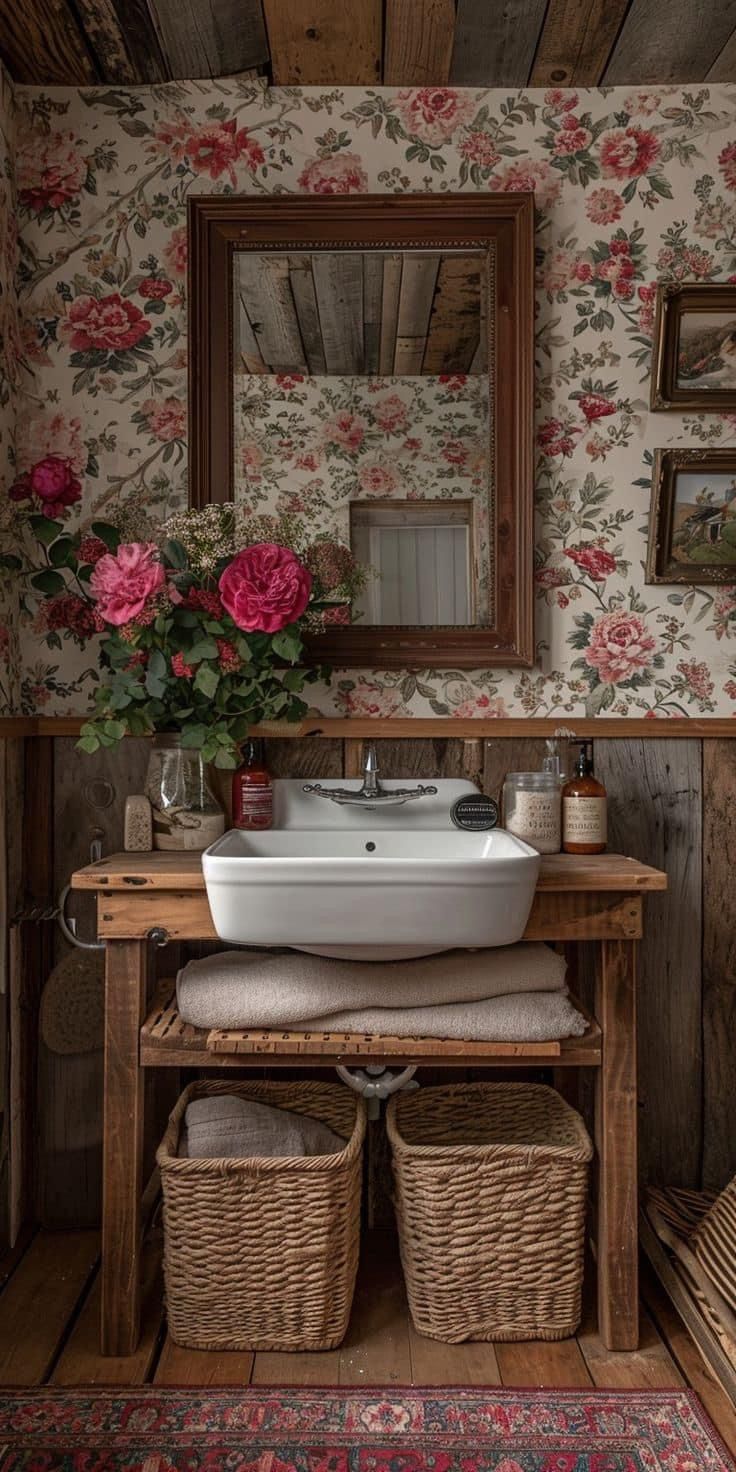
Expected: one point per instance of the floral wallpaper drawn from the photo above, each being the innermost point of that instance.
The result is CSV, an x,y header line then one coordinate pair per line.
x,y
631,186
9,370
307,447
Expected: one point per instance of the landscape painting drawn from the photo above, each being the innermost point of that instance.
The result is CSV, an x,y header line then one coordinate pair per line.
x,y
706,352
693,517
694,359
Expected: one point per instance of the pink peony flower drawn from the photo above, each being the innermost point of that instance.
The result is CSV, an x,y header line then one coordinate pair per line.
x,y
377,480
525,176
345,429
339,173
109,323
604,207
50,171
727,161
560,100
626,153
391,414
52,481
215,149
167,418
571,137
644,103
620,644
176,251
122,584
697,678
479,149
598,563
265,587
434,113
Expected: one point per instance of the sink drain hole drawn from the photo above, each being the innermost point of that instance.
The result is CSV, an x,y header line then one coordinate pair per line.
x,y
371,848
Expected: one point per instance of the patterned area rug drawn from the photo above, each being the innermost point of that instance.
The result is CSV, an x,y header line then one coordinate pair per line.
x,y
384,1430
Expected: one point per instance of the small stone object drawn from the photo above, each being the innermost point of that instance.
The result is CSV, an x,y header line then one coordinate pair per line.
x,y
138,829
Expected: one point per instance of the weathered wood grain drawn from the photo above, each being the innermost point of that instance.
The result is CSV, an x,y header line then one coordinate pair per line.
x,y
39,1300
455,324
418,42
81,1362
372,297
615,1137
723,68
537,1364
719,962
654,809
106,40
392,268
40,41
502,757
126,985
376,1346
305,301
494,45
200,1367
265,290
211,38
338,283
576,42
669,41
324,42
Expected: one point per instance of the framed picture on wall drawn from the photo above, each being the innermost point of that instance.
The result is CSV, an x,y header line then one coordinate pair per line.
x,y
692,523
694,360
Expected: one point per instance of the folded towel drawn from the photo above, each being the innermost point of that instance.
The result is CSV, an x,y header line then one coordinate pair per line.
x,y
223,1127
290,989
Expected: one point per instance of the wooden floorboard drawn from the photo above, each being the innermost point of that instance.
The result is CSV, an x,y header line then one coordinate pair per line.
x,y
376,1349
179,1366
80,1362
40,1301
558,1363
694,1370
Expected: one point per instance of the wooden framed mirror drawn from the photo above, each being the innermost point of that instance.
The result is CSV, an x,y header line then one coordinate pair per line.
x,y
366,363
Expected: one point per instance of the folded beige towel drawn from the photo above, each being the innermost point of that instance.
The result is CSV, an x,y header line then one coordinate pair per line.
x,y
291,989
224,1127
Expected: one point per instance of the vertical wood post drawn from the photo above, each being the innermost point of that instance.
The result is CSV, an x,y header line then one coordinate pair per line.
x,y
125,1002
616,1140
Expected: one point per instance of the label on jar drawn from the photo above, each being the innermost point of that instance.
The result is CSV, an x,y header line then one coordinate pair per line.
x,y
256,805
584,820
535,818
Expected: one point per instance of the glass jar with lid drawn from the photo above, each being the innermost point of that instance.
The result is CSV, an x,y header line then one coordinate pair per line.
x,y
532,809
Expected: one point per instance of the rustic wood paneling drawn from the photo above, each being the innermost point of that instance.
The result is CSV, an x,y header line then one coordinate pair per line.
x,y
723,68
670,41
500,757
654,807
576,42
719,962
494,44
418,42
325,42
40,41
211,38
106,41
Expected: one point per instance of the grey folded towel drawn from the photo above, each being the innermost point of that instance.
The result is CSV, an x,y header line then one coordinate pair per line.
x,y
223,1127
265,989
530,1017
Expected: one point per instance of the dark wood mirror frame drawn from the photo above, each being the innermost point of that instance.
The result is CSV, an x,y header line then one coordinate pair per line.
x,y
500,225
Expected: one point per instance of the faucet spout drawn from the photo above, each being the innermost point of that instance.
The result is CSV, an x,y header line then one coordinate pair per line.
x,y
372,793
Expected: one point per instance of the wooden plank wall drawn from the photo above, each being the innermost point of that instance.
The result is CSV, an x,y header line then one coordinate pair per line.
x,y
671,803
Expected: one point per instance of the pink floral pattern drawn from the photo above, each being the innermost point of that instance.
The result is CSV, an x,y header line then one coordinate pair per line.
x,y
631,185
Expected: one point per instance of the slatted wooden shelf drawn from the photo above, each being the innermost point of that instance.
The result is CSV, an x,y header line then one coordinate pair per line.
x,y
166,1040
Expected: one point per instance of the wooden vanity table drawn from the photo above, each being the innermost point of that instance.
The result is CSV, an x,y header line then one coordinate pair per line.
x,y
142,898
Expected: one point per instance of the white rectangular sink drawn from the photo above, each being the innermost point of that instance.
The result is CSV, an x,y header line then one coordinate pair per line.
x,y
370,884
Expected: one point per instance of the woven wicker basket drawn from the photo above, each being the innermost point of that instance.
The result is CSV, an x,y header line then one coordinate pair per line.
x,y
491,1184
262,1253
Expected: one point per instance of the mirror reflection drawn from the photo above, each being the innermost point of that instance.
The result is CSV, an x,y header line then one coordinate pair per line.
x,y
361,404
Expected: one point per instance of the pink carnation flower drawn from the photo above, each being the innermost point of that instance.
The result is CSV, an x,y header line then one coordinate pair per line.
x,y
265,587
123,584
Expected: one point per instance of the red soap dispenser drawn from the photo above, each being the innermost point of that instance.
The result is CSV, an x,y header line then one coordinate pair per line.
x,y
252,789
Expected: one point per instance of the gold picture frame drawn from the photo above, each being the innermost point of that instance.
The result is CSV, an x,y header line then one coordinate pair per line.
x,y
692,527
694,348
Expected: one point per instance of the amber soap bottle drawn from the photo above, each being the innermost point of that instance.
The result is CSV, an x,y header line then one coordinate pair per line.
x,y
252,790
584,804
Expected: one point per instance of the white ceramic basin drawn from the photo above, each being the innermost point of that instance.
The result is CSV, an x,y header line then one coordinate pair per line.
x,y
370,884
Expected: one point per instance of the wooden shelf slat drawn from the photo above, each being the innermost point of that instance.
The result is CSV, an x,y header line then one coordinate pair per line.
x,y
166,1040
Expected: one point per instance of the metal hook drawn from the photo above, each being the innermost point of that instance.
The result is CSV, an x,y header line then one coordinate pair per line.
x,y
68,927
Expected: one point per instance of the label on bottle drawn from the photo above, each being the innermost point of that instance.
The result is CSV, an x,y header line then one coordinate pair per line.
x,y
255,806
535,818
584,820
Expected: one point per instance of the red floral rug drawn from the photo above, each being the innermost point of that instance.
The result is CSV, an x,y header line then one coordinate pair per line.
x,y
384,1430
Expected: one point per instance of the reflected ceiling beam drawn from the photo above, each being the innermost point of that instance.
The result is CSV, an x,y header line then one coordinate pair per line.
x,y
372,296
724,66
210,38
418,42
265,291
576,42
455,326
108,43
418,281
325,42
247,355
674,41
338,282
40,41
392,267
305,301
495,43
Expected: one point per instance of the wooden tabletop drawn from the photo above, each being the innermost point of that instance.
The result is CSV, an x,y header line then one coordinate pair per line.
x,y
612,873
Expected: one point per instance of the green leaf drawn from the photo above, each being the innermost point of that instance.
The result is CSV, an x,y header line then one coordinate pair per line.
x,y
115,730
206,680
194,736
88,743
174,553
61,553
156,674
9,563
48,581
203,649
107,534
287,645
44,528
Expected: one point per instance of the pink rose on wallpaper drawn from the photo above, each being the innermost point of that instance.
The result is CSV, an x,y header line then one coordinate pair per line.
x,y
532,177
339,173
727,162
598,563
697,678
288,381
167,418
122,584
596,406
50,171
555,438
391,414
560,100
155,288
265,587
216,148
175,251
251,458
53,482
626,153
571,137
479,149
453,382
110,323
434,113
644,103
55,434
346,430
604,206
482,706
377,480
647,296
620,644
455,452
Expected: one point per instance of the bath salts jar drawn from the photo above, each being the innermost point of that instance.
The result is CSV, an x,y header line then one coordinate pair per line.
x,y
532,809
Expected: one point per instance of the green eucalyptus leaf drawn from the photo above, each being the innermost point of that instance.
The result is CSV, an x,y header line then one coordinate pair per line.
x,y
107,534
206,680
48,581
44,528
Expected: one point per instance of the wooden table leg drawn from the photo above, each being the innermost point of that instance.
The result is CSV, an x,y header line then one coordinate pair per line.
x,y
616,1130
125,1002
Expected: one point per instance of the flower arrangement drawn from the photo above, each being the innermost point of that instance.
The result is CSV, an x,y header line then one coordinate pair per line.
x,y
202,619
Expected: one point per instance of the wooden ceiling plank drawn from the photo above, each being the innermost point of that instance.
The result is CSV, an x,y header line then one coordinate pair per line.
x,y
418,43
495,43
577,39
669,41
392,266
40,41
106,41
325,42
305,301
408,356
338,282
247,350
210,38
142,39
265,290
455,324
724,66
372,295
418,282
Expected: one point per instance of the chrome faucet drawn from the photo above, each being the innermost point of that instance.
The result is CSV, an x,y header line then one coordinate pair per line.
x,y
372,794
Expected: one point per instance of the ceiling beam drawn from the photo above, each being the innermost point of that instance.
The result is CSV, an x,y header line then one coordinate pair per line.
x,y
418,43
210,38
724,66
121,36
40,41
576,42
670,41
334,43
495,42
